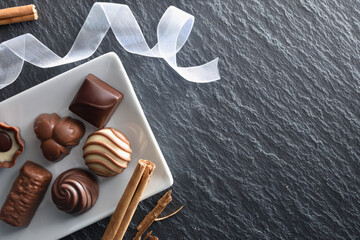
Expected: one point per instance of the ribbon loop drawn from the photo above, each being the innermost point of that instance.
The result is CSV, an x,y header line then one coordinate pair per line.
x,y
172,33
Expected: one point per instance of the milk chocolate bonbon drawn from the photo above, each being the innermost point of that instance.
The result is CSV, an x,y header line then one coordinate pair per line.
x,y
25,195
75,191
11,145
57,135
107,152
95,101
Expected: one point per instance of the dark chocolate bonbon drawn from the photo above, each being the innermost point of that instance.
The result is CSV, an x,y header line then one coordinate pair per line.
x,y
75,191
95,101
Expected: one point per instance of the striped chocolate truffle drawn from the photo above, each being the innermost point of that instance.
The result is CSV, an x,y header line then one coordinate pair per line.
x,y
107,152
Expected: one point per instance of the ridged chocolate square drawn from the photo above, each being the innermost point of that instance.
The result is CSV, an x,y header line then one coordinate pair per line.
x,y
95,101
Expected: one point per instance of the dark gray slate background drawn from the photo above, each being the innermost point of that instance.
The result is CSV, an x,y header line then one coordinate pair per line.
x,y
269,152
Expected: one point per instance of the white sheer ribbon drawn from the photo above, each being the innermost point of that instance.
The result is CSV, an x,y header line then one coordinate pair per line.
x,y
173,31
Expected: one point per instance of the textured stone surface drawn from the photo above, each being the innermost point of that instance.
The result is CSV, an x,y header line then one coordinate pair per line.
x,y
269,152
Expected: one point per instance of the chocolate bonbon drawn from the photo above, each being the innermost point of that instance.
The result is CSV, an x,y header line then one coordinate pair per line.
x,y
57,135
25,195
11,145
75,191
95,101
107,152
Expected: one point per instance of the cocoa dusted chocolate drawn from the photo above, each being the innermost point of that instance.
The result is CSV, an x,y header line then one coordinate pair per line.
x,y
25,195
95,101
57,135
75,191
11,145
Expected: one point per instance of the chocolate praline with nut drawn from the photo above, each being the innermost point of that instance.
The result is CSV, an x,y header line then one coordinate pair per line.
x,y
11,145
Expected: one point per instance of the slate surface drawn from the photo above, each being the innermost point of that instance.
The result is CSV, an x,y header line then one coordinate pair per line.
x,y
269,152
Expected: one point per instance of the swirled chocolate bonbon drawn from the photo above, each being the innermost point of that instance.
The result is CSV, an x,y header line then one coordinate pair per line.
x,y
26,195
95,101
107,152
75,191
57,135
11,145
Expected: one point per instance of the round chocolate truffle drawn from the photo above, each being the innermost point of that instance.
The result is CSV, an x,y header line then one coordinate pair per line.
x,y
75,191
107,152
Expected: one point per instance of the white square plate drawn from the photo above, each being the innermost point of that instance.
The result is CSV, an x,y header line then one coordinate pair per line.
x,y
54,96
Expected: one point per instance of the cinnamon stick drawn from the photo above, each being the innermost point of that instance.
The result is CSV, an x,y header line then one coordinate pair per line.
x,y
18,14
127,205
17,11
25,18
153,214
135,201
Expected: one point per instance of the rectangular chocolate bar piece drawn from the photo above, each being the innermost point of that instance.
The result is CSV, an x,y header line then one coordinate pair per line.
x,y
95,101
25,195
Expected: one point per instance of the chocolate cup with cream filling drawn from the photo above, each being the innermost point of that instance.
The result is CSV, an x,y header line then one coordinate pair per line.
x,y
11,145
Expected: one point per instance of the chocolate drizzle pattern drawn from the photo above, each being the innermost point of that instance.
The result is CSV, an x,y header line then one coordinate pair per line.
x,y
75,191
107,152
